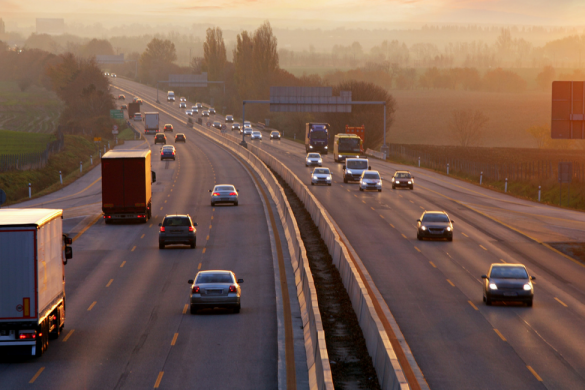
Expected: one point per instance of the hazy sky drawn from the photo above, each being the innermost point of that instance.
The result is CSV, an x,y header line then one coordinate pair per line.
x,y
309,13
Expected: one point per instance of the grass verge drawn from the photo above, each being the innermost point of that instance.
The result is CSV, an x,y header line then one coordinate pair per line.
x,y
16,142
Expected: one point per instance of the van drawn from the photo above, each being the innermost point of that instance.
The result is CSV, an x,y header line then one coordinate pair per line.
x,y
353,169
170,96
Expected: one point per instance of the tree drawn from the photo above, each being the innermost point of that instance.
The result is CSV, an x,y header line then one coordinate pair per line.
x,y
243,71
156,59
196,65
97,47
467,126
214,54
545,78
500,80
541,135
264,51
43,42
3,47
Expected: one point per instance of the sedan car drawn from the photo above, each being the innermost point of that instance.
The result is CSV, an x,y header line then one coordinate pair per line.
x,y
123,107
247,130
137,117
321,176
180,137
217,125
121,97
199,105
224,193
177,229
275,135
236,126
114,75
205,113
371,180
256,135
434,224
168,152
182,99
229,119
168,127
160,138
189,112
402,179
212,289
313,159
212,111
508,282
182,105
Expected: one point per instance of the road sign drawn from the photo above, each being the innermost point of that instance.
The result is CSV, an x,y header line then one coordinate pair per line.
x,y
106,59
97,139
565,172
188,80
115,127
308,99
2,197
116,114
114,132
568,110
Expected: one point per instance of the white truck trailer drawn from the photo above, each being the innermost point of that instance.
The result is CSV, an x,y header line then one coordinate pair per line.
x,y
151,122
33,254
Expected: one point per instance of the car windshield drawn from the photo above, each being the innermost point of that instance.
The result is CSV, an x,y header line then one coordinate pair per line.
x,y
314,155
509,273
435,218
402,175
216,123
275,133
349,145
177,221
214,278
168,148
225,188
322,171
319,134
357,164
371,176
256,132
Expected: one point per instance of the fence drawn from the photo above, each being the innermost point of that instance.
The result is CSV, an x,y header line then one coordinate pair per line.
x,y
525,171
27,161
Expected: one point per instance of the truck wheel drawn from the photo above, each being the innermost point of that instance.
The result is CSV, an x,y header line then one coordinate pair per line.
x,y
57,332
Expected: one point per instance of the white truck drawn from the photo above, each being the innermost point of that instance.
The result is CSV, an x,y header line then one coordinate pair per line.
x,y
151,123
33,255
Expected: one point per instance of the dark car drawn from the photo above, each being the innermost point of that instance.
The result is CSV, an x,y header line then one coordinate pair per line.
x,y
274,135
205,113
508,282
177,229
123,107
229,119
168,127
180,137
236,126
160,138
167,152
434,224
402,179
217,125
212,111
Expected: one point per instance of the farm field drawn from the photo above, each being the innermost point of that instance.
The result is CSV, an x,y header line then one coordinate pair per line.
x,y
17,142
35,110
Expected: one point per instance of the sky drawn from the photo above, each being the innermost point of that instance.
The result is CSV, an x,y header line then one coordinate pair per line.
x,y
298,13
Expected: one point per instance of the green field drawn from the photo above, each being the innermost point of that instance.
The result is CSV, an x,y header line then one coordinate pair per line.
x,y
16,142
36,110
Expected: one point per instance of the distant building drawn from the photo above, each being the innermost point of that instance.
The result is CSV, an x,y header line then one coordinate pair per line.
x,y
2,27
50,26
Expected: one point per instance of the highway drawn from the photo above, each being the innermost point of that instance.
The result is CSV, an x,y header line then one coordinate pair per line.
x,y
128,324
433,288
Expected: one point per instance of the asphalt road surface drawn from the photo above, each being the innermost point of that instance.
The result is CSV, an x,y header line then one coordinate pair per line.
x,y
433,288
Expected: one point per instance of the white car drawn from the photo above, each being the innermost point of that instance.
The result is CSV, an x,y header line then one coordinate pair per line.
x,y
247,123
114,75
248,130
137,117
182,105
321,176
371,180
182,99
256,135
313,159
189,112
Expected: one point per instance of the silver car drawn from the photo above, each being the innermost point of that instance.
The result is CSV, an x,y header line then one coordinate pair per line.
x,y
189,112
212,289
371,180
256,135
321,176
177,229
182,105
224,193
248,130
313,159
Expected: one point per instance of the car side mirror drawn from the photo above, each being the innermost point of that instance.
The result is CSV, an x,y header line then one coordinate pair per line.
x,y
209,190
484,277
533,278
160,224
190,281
68,253
240,280
153,173
195,224
452,221
418,220
67,240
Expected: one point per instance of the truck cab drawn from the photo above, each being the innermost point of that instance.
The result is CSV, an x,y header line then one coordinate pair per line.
x,y
317,137
353,169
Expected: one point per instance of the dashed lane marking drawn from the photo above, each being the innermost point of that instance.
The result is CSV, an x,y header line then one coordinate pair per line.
x,y
472,305
465,234
483,247
403,235
34,378
142,236
451,283
372,208
174,339
207,239
433,264
561,302
68,335
158,379
91,306
417,249
185,308
132,250
110,283
538,378
204,250
499,334
199,266
122,265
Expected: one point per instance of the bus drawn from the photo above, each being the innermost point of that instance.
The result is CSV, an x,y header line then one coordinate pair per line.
x,y
346,146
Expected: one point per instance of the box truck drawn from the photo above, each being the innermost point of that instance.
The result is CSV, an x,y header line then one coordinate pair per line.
x,y
33,254
317,137
151,122
127,185
133,108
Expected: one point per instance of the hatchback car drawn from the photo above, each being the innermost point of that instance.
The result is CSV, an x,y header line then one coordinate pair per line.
x,y
194,108
121,97
212,111
229,119
180,137
402,179
224,193
313,159
189,112
434,224
275,135
371,180
177,229
160,138
182,105
168,152
137,117
205,113
168,127
217,125
236,126
321,176
508,282
256,135
215,288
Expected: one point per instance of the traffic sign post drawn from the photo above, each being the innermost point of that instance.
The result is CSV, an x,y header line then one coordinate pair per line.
x,y
568,110
115,130
565,176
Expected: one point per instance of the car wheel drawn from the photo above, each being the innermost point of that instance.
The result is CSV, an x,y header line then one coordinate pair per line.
x,y
418,237
345,180
193,310
488,301
329,184
237,309
212,204
161,245
529,303
312,183
393,187
193,244
379,190
449,238
412,188
361,189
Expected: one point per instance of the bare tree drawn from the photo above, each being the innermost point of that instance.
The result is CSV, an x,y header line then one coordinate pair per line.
x,y
467,126
214,53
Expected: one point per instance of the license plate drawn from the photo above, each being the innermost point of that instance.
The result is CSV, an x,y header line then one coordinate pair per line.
x,y
402,184
510,294
225,199
175,231
214,292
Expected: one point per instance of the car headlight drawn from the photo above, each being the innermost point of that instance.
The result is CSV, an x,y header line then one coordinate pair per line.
x,y
423,228
325,147
310,146
448,228
409,182
329,178
379,183
320,160
493,286
315,178
527,287
348,171
339,156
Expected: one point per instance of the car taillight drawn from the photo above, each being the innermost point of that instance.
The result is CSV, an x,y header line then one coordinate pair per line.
x,y
173,153
233,193
161,153
233,289
216,194
191,229
196,290
162,228
27,336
